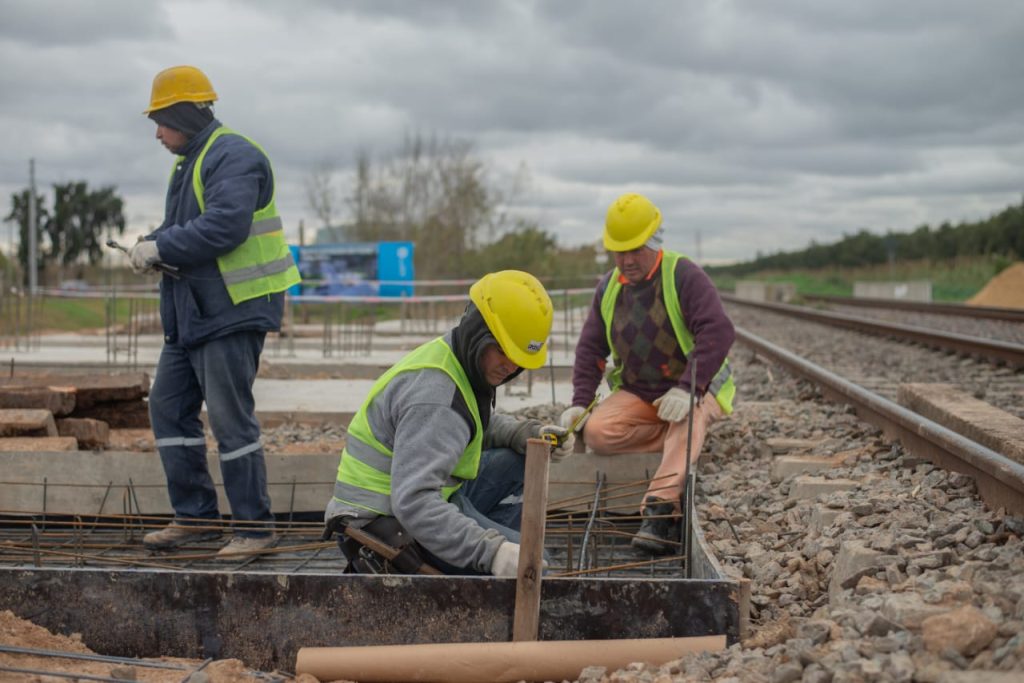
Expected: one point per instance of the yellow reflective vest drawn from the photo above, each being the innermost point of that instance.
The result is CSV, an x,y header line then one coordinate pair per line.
x,y
722,386
364,473
263,263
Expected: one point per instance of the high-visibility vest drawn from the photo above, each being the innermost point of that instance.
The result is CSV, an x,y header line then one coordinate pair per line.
x,y
364,473
263,263
722,386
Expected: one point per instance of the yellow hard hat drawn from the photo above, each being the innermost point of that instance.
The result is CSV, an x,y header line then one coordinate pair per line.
x,y
630,222
518,312
180,84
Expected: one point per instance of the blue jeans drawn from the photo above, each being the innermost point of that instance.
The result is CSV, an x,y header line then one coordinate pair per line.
x,y
494,500
221,372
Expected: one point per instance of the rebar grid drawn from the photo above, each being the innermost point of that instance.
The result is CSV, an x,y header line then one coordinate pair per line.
x,y
586,535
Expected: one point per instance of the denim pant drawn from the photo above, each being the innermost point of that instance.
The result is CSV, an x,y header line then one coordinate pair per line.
x,y
221,372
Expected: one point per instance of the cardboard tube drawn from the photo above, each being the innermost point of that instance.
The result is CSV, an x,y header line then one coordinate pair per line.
x,y
547,660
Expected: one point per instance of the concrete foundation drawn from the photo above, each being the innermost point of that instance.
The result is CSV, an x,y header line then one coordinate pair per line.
x,y
774,292
917,290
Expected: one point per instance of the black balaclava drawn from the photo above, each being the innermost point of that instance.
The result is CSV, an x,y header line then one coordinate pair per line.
x,y
469,339
186,117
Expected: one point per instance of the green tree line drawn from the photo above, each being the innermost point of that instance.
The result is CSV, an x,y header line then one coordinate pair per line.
x,y
999,235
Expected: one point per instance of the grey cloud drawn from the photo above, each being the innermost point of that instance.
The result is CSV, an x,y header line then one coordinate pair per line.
x,y
80,22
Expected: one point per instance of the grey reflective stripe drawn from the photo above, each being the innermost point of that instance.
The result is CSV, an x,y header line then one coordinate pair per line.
x,y
511,500
233,277
181,441
719,380
353,495
368,455
266,225
239,452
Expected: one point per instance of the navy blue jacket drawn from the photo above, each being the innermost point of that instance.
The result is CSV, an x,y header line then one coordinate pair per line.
x,y
238,181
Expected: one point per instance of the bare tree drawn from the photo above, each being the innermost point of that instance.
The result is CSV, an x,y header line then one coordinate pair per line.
x,y
321,193
434,192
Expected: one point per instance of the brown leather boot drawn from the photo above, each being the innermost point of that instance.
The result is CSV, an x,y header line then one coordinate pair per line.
x,y
175,534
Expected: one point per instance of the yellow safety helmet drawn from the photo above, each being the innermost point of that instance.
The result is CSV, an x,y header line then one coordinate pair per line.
x,y
630,222
180,84
518,312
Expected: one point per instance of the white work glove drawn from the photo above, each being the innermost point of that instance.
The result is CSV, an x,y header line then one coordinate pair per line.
x,y
673,405
569,416
143,255
568,441
506,560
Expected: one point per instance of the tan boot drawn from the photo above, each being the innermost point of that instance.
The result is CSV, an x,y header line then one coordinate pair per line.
x,y
174,535
242,546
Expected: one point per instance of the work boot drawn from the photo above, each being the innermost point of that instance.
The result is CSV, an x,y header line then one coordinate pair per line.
x,y
242,546
174,535
659,530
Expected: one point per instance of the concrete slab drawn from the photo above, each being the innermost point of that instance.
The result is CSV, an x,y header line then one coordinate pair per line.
x,y
573,481
966,415
95,482
808,487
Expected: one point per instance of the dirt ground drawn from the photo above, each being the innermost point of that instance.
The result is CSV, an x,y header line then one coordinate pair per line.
x,y
24,634
1005,290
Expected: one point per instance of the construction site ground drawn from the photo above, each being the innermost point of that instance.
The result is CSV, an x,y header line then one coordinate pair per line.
x,y
304,401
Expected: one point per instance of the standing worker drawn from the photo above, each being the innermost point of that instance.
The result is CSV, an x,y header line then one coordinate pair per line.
x,y
653,313
428,467
223,234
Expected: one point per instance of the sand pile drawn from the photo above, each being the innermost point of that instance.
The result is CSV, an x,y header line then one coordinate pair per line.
x,y
1005,290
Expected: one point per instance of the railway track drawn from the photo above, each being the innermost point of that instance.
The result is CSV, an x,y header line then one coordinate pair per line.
x,y
878,364
996,350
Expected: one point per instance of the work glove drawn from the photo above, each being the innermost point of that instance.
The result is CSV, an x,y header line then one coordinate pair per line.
x,y
569,416
673,405
506,560
143,255
566,441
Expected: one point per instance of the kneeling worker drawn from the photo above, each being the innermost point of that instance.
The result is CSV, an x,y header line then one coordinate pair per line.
x,y
655,313
428,468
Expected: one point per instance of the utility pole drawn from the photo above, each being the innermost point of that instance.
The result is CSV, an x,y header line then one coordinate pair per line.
x,y
33,247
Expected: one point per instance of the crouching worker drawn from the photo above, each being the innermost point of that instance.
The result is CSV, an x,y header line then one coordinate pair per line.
x,y
429,468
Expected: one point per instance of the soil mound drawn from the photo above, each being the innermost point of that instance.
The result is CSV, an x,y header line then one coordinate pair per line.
x,y
1005,290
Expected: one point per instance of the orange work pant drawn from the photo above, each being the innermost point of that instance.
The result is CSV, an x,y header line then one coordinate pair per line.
x,y
625,423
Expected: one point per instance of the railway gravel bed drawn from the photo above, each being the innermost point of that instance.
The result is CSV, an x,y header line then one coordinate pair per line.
x,y
881,365
976,327
899,574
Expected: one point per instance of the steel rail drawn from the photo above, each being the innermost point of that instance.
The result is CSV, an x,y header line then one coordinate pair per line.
x,y
1015,315
1000,480
998,351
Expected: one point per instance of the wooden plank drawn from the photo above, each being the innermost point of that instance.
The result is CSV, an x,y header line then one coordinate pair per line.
x,y
526,624
27,423
38,444
89,389
89,433
57,400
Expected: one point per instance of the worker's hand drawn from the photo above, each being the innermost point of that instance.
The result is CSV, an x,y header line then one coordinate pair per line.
x,y
673,405
143,255
506,560
564,438
569,415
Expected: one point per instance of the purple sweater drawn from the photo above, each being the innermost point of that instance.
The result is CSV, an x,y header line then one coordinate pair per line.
x,y
651,359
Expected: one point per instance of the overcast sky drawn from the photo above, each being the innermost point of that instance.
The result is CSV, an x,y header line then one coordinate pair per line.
x,y
758,125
